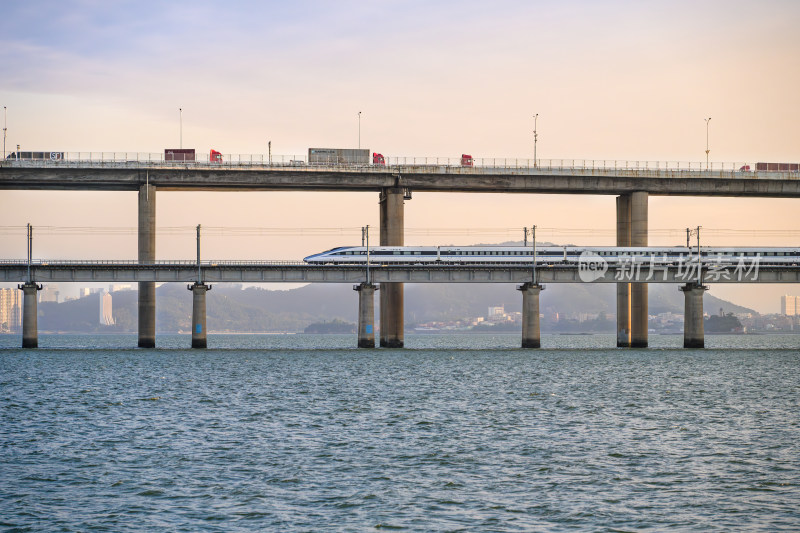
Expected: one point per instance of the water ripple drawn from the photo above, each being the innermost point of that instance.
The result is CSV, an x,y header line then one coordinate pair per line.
x,y
427,439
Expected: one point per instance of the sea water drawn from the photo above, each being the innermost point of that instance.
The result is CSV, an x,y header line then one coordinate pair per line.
x,y
453,433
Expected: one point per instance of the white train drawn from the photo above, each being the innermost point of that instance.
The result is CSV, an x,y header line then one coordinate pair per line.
x,y
550,255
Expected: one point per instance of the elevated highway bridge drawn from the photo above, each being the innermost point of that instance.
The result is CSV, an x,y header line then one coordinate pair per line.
x,y
632,182
128,172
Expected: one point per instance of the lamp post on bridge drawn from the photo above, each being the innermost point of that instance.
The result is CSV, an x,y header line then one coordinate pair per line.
x,y
5,129
533,240
707,150
359,130
535,138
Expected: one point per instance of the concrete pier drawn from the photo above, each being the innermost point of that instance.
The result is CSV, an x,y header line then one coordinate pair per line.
x,y
30,327
693,331
147,254
623,289
531,333
199,333
366,314
391,294
639,307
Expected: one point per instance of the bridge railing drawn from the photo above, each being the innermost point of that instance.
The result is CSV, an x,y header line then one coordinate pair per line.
x,y
423,165
134,262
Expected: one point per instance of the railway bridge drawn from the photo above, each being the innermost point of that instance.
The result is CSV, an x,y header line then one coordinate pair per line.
x,y
632,182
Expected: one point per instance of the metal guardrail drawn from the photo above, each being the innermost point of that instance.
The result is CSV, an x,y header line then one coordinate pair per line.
x,y
424,165
133,263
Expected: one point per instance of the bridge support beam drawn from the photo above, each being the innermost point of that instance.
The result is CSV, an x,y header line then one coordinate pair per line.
x,y
147,254
391,294
30,328
639,307
693,331
199,333
632,308
531,333
623,289
366,314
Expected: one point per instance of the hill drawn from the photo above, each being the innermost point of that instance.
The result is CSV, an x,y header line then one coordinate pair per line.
x,y
232,308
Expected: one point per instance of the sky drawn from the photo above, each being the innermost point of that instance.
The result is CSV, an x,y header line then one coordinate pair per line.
x,y
614,80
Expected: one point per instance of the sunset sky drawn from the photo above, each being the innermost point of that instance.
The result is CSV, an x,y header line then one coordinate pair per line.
x,y
615,80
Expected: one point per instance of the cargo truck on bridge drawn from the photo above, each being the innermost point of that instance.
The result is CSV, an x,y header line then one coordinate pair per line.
x,y
179,154
338,156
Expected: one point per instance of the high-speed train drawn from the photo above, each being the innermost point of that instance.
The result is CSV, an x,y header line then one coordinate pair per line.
x,y
550,255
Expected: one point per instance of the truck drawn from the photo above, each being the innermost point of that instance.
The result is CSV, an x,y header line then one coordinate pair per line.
x,y
338,156
179,154
214,156
378,159
467,160
778,167
36,156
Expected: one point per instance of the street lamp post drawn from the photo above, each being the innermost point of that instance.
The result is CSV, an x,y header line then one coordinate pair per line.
x,y
5,129
689,233
180,120
359,130
366,235
707,150
533,240
535,138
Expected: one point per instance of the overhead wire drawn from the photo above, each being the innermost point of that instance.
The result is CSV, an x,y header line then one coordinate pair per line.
x,y
255,231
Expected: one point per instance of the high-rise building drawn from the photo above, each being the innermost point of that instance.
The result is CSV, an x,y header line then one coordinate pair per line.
x,y
10,310
106,315
789,305
49,293
88,291
114,287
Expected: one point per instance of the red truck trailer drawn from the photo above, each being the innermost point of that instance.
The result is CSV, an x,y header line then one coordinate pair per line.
x,y
778,167
179,154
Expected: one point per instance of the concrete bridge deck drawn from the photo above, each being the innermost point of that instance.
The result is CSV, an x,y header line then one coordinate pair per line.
x,y
506,176
289,272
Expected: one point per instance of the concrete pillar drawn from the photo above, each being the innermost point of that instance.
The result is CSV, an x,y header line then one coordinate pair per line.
x,y
693,331
30,317
199,333
531,333
147,254
391,294
639,307
366,315
623,289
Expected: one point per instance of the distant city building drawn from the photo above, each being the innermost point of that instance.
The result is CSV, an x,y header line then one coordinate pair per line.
x,y
10,310
49,293
789,305
114,287
88,291
498,311
106,314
